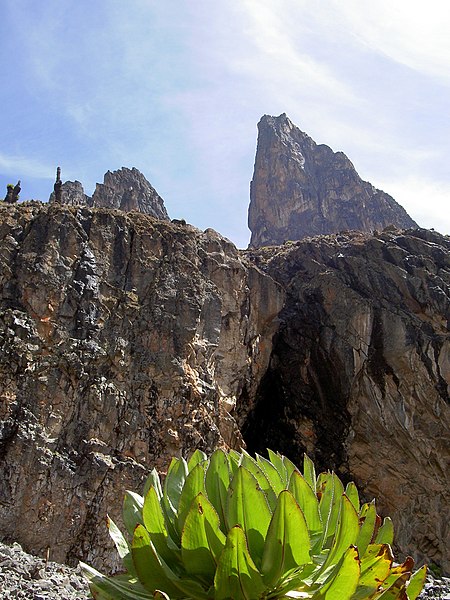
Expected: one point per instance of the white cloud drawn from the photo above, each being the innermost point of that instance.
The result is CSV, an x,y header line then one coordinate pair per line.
x,y
275,30
27,167
411,32
427,202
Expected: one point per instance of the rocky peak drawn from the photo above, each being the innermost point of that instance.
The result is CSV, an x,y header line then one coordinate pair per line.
x,y
302,189
72,193
127,189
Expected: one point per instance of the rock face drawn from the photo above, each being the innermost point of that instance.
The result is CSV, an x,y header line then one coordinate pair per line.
x,y
72,193
124,340
302,189
127,189
360,372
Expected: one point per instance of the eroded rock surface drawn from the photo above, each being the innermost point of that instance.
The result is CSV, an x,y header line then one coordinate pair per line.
x,y
360,372
124,340
127,189
302,189
72,193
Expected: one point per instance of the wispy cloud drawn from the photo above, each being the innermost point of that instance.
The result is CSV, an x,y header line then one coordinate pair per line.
x,y
25,167
415,34
425,200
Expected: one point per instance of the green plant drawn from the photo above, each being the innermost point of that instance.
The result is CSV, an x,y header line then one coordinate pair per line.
x,y
242,528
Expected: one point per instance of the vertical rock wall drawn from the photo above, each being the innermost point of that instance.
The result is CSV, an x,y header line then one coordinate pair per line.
x,y
124,340
360,373
301,189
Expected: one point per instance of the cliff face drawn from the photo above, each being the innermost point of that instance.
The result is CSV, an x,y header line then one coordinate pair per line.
x,y
360,372
124,340
302,189
127,189
124,189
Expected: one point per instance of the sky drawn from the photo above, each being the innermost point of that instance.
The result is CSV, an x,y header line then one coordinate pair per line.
x,y
176,88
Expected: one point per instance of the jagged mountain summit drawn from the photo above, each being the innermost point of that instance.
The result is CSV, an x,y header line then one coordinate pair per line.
x,y
301,189
124,189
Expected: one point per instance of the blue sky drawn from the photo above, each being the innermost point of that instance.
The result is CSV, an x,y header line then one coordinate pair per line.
x,y
176,89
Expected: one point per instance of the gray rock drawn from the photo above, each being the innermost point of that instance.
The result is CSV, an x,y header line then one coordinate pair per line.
x,y
359,376
302,189
127,189
124,340
72,193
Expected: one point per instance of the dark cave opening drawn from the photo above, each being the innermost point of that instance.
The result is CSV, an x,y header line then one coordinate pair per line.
x,y
300,407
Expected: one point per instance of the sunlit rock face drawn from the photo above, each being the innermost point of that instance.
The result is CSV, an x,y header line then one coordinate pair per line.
x,y
302,189
360,372
127,189
124,340
72,193
124,189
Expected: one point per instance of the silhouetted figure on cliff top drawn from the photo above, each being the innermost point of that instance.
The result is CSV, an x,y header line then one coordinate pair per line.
x,y
58,185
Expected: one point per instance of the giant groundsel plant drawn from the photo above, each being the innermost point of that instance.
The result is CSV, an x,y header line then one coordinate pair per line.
x,y
241,528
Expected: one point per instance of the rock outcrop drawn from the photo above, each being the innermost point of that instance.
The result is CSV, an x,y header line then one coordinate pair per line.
x,y
127,189
124,340
72,194
360,373
302,189
124,189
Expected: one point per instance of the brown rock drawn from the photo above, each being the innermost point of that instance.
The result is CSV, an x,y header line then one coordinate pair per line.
x,y
360,372
124,340
127,189
72,194
302,189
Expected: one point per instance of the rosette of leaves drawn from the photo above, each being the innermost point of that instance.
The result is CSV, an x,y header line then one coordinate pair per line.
x,y
236,527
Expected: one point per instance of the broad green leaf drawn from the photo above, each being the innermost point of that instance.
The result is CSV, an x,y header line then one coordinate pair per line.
x,y
367,528
271,473
346,532
343,581
149,565
351,492
173,485
201,540
309,472
375,567
396,591
194,484
122,546
154,523
153,480
112,588
237,577
247,506
197,457
155,574
385,533
416,583
307,500
330,490
132,510
403,569
174,482
160,595
287,543
235,458
290,467
251,465
217,482
277,461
